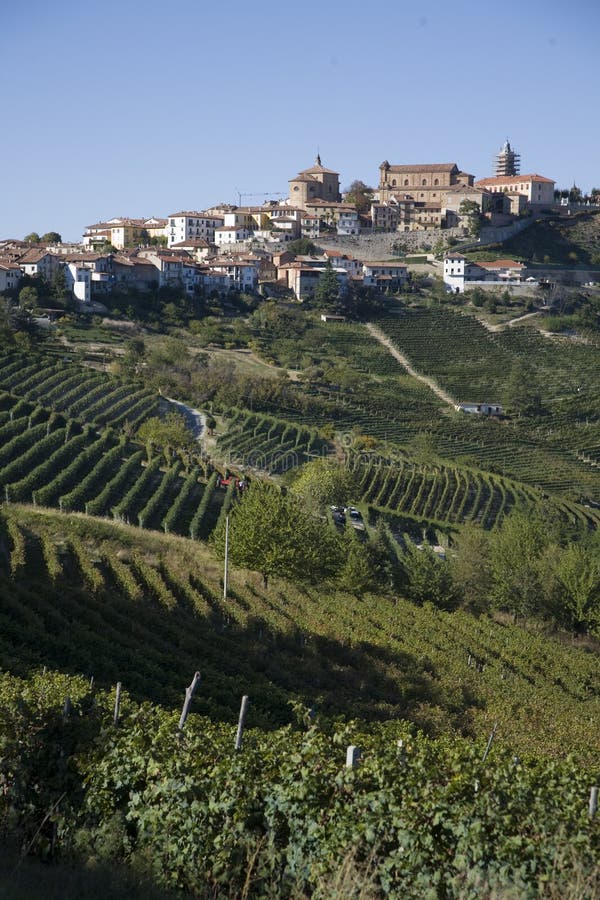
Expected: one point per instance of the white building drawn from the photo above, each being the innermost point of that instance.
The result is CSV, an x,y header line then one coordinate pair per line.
x,y
348,222
480,409
185,226
459,272
10,275
231,234
240,274
384,275
537,190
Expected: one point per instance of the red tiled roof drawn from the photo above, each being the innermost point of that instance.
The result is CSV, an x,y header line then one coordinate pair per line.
x,y
500,264
513,179
426,167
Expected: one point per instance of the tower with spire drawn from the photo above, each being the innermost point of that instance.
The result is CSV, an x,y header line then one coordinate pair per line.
x,y
508,162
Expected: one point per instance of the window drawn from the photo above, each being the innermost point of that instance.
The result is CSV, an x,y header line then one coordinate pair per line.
x,y
424,182
393,182
436,181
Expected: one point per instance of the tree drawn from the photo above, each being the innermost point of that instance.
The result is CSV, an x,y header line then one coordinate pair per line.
x,y
32,238
28,298
324,482
521,394
273,533
357,573
51,237
471,211
170,433
360,194
571,578
427,577
302,247
471,569
327,290
515,549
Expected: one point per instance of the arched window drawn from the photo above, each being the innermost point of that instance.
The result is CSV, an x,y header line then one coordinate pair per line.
x,y
424,182
436,181
406,182
393,182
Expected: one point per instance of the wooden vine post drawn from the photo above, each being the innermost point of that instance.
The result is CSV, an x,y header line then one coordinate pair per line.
x,y
117,704
241,721
593,807
352,756
189,693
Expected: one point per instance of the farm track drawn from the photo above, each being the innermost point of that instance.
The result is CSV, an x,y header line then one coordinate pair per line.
x,y
385,341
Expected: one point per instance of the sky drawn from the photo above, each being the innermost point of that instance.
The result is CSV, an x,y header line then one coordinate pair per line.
x,y
130,108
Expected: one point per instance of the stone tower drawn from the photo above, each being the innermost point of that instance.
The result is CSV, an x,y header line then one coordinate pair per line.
x,y
508,162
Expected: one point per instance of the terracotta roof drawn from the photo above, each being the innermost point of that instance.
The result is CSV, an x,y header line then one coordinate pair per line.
x,y
385,265
197,243
303,176
426,167
500,264
463,189
194,214
513,179
33,256
320,170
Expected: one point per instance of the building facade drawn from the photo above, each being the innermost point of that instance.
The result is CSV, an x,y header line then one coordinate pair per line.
x,y
316,183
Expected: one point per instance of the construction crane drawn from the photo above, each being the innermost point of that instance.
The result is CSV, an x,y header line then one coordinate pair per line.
x,y
242,194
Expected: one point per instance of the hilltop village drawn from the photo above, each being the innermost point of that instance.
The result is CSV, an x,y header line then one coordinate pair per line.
x,y
251,249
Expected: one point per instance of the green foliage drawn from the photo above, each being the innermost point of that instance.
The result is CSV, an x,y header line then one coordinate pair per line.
x,y
360,194
284,817
516,549
327,290
428,578
302,247
170,433
28,298
273,534
325,482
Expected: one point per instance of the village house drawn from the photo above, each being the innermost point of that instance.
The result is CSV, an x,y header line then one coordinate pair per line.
x,y
38,262
133,271
10,275
302,279
384,275
460,272
241,273
185,226
536,190
174,268
198,248
480,409
87,274
122,231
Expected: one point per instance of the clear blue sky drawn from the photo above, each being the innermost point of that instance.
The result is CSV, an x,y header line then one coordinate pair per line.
x,y
144,108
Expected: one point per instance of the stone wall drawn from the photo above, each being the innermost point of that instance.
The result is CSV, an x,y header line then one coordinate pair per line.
x,y
386,245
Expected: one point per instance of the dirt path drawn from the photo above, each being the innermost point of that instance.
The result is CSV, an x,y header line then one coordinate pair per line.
x,y
195,419
502,325
391,347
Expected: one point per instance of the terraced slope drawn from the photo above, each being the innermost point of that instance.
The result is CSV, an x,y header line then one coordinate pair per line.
x,y
85,595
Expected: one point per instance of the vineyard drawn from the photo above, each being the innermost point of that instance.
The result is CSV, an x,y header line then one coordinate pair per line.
x,y
265,442
292,812
94,596
442,493
78,393
359,388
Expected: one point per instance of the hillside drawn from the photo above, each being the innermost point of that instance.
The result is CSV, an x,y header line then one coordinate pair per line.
x,y
563,241
84,595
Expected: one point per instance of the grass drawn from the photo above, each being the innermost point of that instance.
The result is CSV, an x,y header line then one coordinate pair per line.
x,y
557,240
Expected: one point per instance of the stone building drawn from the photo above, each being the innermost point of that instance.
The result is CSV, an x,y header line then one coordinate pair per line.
x,y
316,183
426,183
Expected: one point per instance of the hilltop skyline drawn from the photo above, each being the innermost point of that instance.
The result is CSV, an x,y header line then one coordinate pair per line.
x,y
139,112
